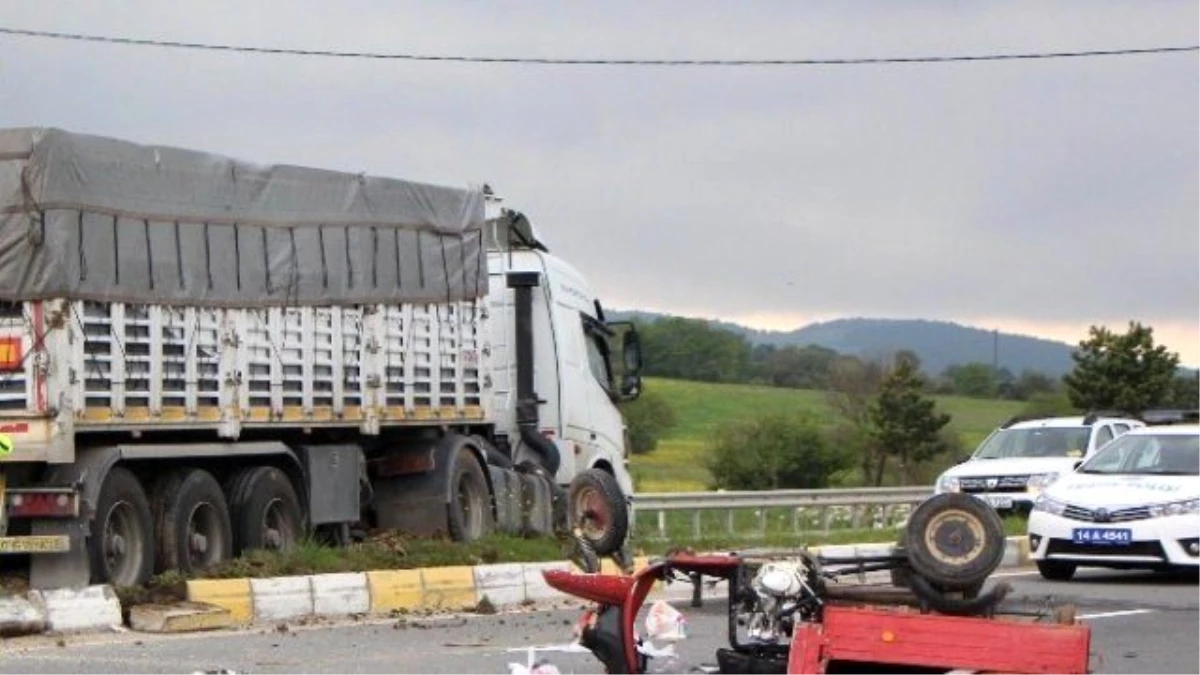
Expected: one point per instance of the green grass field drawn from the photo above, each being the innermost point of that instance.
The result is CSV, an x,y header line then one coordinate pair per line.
x,y
677,464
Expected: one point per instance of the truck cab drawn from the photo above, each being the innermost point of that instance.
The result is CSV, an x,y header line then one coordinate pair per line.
x,y
583,365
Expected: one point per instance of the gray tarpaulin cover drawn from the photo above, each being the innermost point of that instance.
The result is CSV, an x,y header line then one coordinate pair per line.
x,y
92,218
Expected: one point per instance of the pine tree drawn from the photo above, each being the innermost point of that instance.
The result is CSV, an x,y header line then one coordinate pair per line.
x,y
905,423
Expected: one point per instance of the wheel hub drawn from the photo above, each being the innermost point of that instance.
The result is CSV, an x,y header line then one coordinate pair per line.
x,y
954,537
198,543
116,545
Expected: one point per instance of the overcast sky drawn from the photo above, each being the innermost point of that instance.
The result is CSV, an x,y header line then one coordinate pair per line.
x,y
1032,196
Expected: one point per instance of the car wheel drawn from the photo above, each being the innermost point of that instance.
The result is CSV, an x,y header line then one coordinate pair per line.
x,y
1056,570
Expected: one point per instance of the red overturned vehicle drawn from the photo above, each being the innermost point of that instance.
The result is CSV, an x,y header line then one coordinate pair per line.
x,y
789,613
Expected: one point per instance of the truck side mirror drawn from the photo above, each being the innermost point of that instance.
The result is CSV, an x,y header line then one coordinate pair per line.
x,y
631,348
627,364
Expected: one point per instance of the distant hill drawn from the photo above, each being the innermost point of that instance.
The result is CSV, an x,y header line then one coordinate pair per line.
x,y
938,343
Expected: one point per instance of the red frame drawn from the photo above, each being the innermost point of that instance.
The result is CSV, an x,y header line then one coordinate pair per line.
x,y
893,637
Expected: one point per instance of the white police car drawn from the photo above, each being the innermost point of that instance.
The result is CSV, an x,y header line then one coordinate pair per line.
x,y
1134,504
1026,454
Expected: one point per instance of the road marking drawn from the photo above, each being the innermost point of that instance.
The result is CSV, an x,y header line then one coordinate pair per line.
x,y
1106,615
1026,573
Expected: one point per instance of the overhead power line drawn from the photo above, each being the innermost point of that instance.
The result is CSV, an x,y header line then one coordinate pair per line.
x,y
80,37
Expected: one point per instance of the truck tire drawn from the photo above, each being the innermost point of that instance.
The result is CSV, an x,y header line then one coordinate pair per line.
x,y
598,508
121,547
192,521
469,511
954,541
265,510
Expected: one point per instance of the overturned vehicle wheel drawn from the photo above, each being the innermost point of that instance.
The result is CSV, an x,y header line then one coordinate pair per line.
x,y
954,542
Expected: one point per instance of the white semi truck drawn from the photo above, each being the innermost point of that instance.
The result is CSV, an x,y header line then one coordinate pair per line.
x,y
201,356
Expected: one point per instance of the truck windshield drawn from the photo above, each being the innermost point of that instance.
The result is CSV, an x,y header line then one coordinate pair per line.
x,y
1036,442
1145,454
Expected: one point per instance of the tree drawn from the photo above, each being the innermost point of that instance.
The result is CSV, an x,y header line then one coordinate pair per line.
x,y
800,367
853,383
1121,372
773,452
1185,392
692,349
648,417
905,422
1032,382
972,379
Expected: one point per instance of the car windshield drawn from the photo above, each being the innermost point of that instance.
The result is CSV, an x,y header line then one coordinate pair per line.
x,y
1154,454
1036,442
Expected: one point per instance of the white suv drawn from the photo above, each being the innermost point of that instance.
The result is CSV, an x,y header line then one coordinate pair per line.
x,y
1025,455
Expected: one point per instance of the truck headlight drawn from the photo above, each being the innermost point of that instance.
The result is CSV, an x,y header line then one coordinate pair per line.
x,y
1040,481
948,484
1175,508
1044,503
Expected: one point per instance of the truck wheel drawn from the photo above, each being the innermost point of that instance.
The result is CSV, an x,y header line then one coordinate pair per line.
x,y
121,546
469,512
192,521
954,541
266,511
598,508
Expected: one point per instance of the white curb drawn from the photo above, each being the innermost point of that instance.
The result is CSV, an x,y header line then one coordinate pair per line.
x,y
501,584
280,598
22,615
90,608
335,594
536,587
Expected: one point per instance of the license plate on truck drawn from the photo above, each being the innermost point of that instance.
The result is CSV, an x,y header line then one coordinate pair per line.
x,y
1101,535
47,544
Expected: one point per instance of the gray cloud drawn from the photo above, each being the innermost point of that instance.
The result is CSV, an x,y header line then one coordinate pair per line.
x,y
1052,191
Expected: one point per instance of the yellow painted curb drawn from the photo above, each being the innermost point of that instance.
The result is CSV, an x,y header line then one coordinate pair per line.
x,y
179,619
394,590
448,587
231,594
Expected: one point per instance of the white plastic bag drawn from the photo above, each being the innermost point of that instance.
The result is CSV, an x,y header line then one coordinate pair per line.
x,y
664,622
538,668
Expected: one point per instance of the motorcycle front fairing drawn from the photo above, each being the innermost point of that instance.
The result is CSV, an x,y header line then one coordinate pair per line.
x,y
608,631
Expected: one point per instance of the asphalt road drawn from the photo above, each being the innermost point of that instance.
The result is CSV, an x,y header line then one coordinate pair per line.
x,y
1142,623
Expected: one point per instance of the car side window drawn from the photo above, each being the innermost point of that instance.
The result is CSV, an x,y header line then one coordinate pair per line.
x,y
1120,428
1103,435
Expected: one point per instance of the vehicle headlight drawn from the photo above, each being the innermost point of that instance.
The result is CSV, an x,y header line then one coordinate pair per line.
x,y
948,484
1175,508
1041,481
1044,503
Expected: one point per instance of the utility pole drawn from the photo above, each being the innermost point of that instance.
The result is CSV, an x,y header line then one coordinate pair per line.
x,y
996,353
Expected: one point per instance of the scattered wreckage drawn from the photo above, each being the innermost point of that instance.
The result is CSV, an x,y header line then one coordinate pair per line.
x,y
788,614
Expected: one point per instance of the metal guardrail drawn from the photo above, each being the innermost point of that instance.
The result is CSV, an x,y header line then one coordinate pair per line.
x,y
832,508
